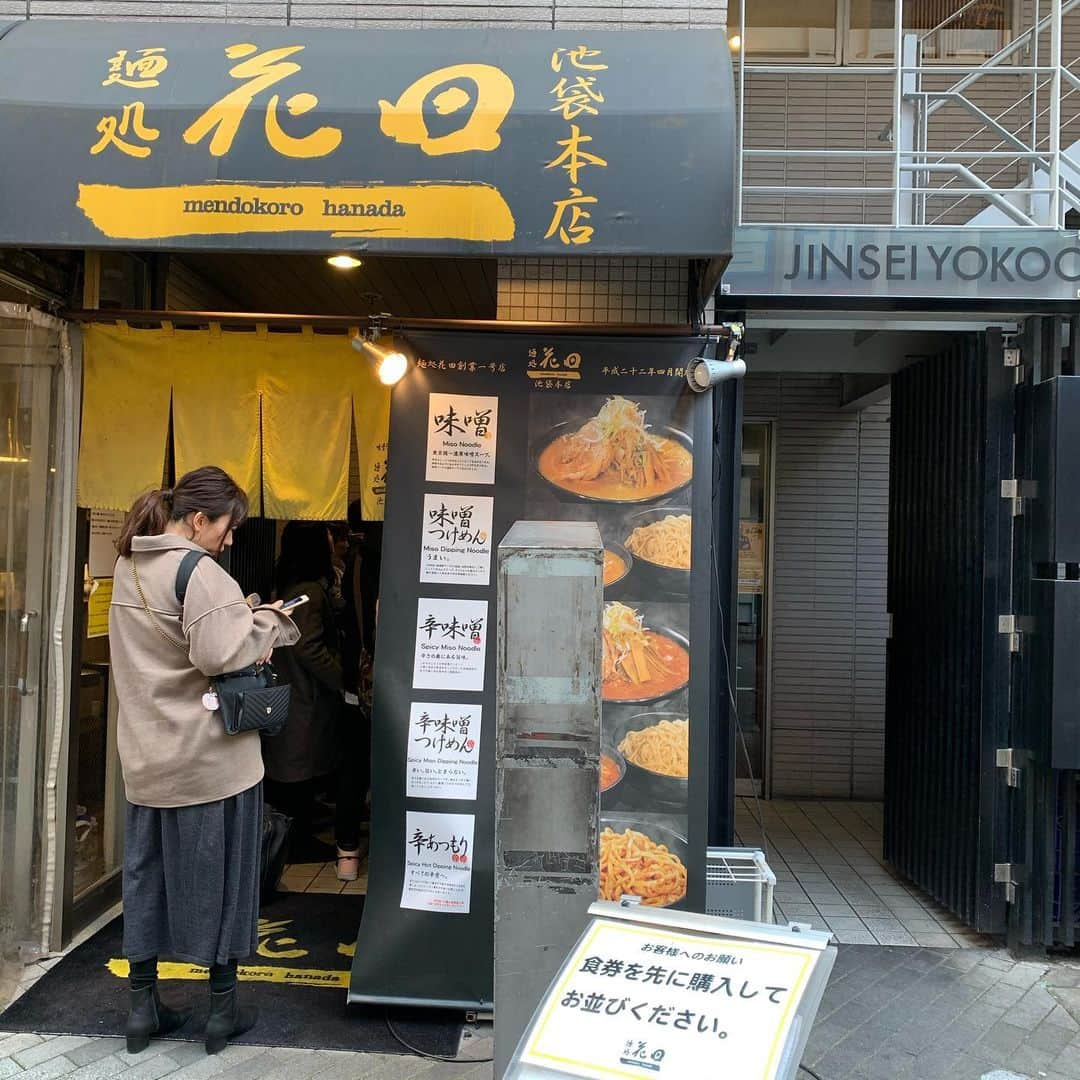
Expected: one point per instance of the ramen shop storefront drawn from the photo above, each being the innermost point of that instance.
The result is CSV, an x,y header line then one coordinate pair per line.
x,y
431,144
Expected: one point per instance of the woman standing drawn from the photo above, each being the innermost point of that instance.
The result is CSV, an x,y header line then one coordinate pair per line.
x,y
194,819
305,753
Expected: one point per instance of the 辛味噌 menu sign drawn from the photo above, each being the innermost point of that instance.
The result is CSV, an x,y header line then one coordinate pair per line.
x,y
485,430
1006,264
427,141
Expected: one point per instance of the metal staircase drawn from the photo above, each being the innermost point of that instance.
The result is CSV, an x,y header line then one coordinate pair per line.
x,y
1014,161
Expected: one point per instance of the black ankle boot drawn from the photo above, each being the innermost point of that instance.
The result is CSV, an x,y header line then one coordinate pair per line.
x,y
227,1019
147,1016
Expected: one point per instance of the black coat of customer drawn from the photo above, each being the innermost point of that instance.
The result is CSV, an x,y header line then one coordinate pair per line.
x,y
305,749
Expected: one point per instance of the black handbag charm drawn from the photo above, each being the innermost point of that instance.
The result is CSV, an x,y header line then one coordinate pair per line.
x,y
248,700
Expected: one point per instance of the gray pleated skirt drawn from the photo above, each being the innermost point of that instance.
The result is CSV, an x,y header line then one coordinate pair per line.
x,y
191,880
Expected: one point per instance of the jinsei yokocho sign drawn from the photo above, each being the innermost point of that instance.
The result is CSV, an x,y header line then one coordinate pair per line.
x,y
486,430
984,264
432,141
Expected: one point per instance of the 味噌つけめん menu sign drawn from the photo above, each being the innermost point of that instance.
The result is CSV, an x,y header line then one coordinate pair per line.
x,y
485,430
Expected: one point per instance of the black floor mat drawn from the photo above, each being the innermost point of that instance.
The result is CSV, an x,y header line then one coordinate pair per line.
x,y
298,981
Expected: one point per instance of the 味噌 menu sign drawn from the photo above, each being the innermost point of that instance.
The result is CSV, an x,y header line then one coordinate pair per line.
x,y
975,263
486,430
441,141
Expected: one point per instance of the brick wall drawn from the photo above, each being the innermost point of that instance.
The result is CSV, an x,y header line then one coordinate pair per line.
x,y
583,14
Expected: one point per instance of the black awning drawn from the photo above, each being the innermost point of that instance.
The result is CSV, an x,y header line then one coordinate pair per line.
x,y
399,141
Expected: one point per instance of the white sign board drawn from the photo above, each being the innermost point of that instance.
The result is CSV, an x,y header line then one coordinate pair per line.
x,y
636,999
105,526
438,862
451,644
444,751
456,539
462,434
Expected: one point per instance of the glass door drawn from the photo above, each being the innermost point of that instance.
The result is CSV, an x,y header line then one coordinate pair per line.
x,y
28,393
751,671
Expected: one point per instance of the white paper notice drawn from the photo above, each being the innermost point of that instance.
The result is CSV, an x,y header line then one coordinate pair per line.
x,y
438,862
451,644
456,539
461,440
638,1001
105,526
444,751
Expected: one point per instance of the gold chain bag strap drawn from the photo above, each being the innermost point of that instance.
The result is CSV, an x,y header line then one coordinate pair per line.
x,y
146,607
248,700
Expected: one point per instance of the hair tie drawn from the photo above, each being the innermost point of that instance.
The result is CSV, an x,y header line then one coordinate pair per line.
x,y
167,494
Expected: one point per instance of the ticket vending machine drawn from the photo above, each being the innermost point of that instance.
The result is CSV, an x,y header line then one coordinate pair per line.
x,y
550,608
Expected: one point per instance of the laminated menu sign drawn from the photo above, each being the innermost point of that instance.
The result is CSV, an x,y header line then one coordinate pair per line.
x,y
461,439
456,539
451,642
438,862
444,750
636,1000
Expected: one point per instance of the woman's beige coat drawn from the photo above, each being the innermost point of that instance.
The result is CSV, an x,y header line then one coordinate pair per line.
x,y
174,752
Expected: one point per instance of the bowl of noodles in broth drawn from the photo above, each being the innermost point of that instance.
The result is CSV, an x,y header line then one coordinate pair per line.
x,y
640,663
616,456
656,749
659,541
641,858
617,564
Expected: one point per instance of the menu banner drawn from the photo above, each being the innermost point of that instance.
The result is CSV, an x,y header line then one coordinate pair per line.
x,y
485,430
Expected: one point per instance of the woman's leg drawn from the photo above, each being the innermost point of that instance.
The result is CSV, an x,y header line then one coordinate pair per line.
x,y
353,776
145,929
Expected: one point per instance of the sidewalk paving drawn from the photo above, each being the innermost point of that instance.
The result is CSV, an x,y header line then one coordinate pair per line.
x,y
889,1013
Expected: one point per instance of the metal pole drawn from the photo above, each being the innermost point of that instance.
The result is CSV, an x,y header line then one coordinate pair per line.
x,y
1055,115
742,116
898,99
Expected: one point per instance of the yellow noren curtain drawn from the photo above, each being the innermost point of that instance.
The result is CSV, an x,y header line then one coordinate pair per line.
x,y
216,405
273,409
125,418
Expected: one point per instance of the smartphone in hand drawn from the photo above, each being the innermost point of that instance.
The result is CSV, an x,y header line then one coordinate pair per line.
x,y
292,605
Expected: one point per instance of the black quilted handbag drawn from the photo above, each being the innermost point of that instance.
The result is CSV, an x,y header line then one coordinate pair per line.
x,y
252,700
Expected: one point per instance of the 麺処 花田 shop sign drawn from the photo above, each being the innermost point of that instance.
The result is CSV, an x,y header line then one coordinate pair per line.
x,y
1013,264
428,141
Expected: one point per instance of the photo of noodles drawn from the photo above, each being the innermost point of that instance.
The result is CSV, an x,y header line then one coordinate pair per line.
x,y
615,458
639,664
614,566
665,542
661,748
632,864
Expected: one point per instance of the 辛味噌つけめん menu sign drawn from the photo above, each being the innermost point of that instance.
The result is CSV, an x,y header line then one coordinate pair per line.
x,y
488,429
424,141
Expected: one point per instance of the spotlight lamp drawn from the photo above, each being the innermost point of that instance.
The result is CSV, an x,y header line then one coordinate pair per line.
x,y
379,347
705,371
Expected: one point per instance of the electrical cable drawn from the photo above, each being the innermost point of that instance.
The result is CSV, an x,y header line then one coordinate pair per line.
x,y
809,1072
424,1054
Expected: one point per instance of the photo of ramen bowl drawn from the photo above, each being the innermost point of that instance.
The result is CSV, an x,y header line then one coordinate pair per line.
x,y
618,563
612,768
660,739
644,859
659,541
616,456
673,648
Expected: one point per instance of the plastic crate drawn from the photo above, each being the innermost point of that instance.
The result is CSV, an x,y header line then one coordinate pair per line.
x,y
739,884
